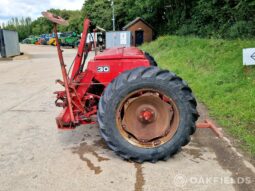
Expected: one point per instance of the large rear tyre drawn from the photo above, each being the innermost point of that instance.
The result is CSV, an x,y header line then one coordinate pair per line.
x,y
147,114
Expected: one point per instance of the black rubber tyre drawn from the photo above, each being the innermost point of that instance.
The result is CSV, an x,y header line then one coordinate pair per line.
x,y
160,80
151,59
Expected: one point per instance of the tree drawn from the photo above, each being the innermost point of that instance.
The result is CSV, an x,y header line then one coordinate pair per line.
x,y
216,18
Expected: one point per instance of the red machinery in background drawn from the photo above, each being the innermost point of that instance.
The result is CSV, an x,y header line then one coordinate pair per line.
x,y
144,113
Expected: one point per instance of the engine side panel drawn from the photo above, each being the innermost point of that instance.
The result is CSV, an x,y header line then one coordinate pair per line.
x,y
106,70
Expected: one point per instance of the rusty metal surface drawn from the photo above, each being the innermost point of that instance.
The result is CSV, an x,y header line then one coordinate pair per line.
x,y
54,18
147,118
210,125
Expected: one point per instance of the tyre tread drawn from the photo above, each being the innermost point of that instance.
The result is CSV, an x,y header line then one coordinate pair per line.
x,y
141,73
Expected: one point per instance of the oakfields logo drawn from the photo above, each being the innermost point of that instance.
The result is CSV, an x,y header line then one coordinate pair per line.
x,y
180,180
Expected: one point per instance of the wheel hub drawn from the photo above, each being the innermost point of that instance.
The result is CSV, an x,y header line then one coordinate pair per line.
x,y
147,118
146,114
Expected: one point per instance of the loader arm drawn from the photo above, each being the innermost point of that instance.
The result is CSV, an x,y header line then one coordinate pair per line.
x,y
79,56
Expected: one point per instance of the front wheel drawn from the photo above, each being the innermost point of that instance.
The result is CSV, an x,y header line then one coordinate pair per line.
x,y
147,114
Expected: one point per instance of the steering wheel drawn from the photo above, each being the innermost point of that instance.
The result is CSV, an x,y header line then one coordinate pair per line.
x,y
54,18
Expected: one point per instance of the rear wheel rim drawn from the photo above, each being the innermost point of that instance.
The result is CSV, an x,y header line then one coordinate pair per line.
x,y
147,118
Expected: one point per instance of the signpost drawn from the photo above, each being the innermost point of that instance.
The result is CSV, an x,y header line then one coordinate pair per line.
x,y
113,14
248,56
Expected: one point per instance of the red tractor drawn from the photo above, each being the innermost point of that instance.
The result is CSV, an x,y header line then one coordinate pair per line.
x,y
144,113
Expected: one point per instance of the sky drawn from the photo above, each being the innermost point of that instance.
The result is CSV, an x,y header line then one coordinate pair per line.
x,y
33,8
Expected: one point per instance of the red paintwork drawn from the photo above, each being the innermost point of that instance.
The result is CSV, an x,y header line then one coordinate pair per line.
x,y
79,56
210,125
64,75
117,64
83,86
121,53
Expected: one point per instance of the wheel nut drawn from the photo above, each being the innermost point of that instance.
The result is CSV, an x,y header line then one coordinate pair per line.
x,y
157,142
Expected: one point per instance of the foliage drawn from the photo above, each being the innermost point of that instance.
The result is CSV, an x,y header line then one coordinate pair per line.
x,y
74,18
100,12
215,18
23,26
41,26
26,27
213,68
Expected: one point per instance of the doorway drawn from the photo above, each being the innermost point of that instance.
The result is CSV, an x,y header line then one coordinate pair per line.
x,y
139,37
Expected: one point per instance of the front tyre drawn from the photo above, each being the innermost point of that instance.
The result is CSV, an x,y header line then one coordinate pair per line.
x,y
147,114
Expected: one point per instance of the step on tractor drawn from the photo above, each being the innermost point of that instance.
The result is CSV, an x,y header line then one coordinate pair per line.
x,y
144,113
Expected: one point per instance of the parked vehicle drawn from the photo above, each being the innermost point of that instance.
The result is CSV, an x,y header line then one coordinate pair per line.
x,y
52,39
99,39
30,40
69,39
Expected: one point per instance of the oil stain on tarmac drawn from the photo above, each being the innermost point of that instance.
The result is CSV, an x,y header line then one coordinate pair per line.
x,y
140,181
84,149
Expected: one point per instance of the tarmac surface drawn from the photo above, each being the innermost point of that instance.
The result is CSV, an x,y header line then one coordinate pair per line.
x,y
35,155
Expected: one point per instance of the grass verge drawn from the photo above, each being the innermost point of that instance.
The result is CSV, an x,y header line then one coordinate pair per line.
x,y
213,69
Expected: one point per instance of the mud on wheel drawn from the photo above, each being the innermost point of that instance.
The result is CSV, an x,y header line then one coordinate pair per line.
x,y
147,114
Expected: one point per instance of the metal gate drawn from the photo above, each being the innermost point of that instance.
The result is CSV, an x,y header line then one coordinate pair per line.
x,y
9,43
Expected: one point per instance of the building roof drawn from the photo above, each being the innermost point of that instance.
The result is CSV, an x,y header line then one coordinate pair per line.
x,y
135,21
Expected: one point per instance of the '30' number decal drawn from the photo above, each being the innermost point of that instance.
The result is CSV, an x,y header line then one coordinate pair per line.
x,y
103,69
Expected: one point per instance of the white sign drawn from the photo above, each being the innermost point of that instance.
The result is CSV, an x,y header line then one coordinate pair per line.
x,y
123,38
249,56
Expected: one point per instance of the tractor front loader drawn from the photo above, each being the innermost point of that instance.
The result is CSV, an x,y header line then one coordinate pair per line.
x,y
144,113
